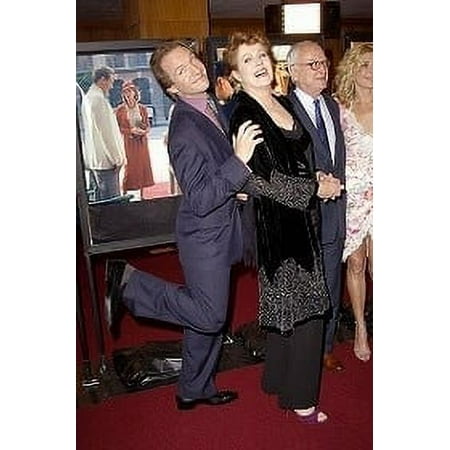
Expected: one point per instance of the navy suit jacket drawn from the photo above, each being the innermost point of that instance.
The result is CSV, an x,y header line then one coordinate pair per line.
x,y
208,222
332,211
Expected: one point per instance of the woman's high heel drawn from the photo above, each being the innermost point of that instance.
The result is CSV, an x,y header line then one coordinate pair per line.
x,y
313,418
361,345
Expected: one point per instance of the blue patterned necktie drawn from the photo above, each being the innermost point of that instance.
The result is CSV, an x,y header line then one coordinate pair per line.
x,y
320,124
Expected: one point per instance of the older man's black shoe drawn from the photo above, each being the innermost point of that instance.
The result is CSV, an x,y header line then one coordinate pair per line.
x,y
114,308
220,398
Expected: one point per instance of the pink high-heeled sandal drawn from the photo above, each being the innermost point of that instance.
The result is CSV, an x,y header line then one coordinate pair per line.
x,y
311,419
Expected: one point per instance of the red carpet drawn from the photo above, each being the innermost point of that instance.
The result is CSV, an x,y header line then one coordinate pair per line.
x,y
149,420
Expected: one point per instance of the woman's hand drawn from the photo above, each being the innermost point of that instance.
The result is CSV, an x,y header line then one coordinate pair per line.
x,y
242,197
246,140
138,132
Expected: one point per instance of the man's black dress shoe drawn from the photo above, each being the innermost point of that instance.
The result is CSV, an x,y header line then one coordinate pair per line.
x,y
220,398
114,308
331,363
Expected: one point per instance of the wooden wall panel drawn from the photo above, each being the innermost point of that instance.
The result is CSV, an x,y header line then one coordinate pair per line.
x,y
333,50
169,19
173,18
143,19
131,18
101,31
356,25
224,27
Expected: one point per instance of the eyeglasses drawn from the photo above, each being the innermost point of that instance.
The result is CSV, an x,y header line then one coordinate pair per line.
x,y
315,65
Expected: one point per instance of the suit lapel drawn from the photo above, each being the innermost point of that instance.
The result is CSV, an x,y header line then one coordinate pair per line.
x,y
205,121
306,121
331,108
339,148
309,125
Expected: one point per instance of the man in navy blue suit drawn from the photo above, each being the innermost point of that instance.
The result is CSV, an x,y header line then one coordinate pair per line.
x,y
319,113
209,236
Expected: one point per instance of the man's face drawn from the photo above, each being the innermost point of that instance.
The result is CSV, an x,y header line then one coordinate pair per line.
x,y
187,73
309,70
110,82
106,84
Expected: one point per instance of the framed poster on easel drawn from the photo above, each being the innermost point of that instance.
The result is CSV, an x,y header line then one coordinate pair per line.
x,y
122,202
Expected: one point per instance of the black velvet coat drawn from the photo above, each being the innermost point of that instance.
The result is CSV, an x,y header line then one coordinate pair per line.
x,y
283,189
286,226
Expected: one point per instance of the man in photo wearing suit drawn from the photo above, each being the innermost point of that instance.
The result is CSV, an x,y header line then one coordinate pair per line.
x,y
319,113
208,229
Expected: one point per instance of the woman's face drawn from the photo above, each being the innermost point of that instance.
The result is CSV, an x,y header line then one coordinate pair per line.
x,y
364,72
254,66
130,96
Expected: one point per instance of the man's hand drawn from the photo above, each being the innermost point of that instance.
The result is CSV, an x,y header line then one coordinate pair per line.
x,y
329,186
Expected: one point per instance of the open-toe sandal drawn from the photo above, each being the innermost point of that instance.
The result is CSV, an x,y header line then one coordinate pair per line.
x,y
311,419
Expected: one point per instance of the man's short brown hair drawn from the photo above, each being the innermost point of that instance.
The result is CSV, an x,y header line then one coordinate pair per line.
x,y
155,62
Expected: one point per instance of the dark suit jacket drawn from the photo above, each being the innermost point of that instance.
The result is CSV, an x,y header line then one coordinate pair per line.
x,y
332,211
208,222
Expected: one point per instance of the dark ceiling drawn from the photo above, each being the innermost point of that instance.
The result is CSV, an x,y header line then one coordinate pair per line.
x,y
112,9
255,8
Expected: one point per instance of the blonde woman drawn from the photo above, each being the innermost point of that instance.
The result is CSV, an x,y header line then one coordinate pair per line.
x,y
354,91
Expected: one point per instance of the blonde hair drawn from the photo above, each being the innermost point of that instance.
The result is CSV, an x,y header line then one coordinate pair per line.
x,y
344,82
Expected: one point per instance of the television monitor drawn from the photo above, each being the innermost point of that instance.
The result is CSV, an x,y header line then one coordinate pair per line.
x,y
136,215
301,18
304,17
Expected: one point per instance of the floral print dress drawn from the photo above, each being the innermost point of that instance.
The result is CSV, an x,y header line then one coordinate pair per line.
x,y
359,181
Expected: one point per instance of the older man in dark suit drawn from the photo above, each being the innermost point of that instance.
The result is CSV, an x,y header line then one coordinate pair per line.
x,y
208,229
319,113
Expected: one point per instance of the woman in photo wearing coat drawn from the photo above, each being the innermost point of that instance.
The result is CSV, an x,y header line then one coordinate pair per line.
x,y
134,126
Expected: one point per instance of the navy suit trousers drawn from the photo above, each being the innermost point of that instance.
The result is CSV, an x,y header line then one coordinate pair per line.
x,y
200,306
332,261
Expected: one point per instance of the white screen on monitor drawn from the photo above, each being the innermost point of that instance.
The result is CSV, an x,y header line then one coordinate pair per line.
x,y
302,18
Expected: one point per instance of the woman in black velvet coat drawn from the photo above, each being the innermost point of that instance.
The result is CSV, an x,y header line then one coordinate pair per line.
x,y
284,191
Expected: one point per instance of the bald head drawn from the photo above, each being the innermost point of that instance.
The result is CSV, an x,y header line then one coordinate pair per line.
x,y
299,48
308,67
